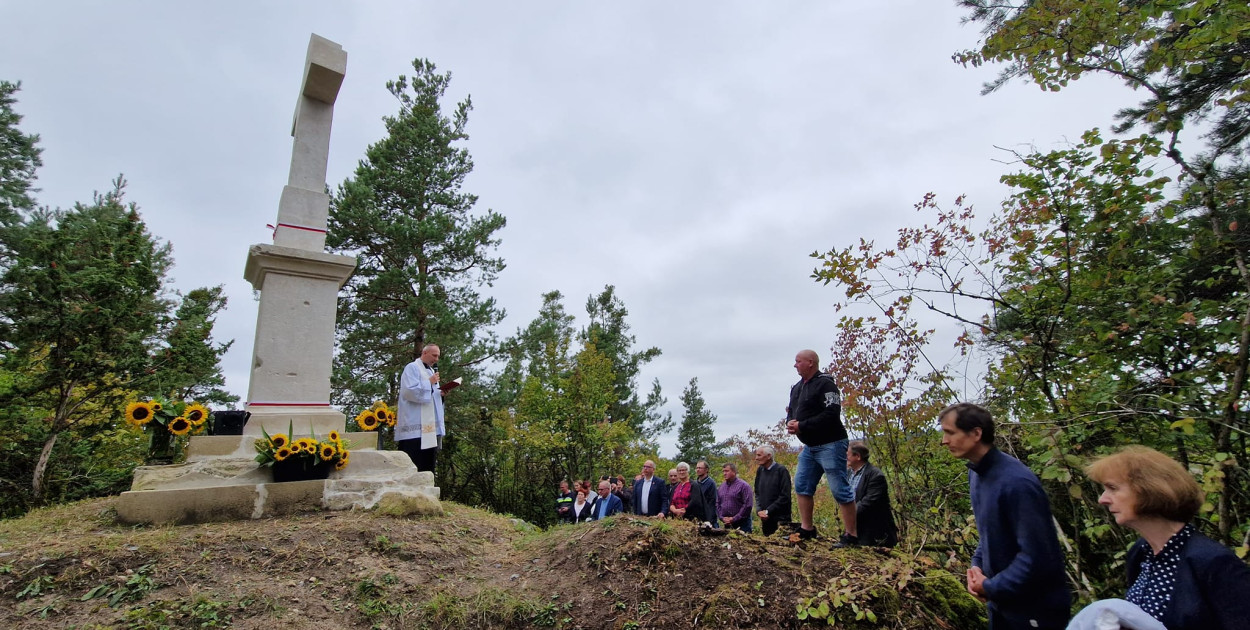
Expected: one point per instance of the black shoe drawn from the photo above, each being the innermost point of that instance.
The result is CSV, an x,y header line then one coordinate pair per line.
x,y
806,534
846,540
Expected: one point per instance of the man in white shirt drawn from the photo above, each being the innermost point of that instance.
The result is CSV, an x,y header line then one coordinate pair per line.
x,y
650,499
419,425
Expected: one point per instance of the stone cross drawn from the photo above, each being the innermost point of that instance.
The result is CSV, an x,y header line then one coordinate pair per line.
x,y
304,207
298,282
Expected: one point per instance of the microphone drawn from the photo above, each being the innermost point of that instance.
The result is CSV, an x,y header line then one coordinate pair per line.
x,y
435,367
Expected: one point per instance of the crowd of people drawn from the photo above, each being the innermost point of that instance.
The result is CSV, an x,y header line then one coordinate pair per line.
x,y
733,503
1178,579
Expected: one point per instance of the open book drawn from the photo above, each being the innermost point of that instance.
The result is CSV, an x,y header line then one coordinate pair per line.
x,y
450,385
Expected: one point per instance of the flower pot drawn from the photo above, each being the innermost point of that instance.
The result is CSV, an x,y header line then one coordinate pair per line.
x,y
229,422
299,469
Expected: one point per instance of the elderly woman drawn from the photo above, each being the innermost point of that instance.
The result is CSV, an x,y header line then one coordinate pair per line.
x,y
1175,574
679,500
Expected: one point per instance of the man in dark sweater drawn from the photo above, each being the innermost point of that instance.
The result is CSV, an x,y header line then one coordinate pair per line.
x,y
772,490
1018,566
705,485
815,417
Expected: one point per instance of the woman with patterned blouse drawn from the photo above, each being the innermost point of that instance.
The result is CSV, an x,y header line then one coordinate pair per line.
x,y
1175,574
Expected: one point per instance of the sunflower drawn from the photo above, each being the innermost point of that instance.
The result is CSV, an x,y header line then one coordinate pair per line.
x,y
342,463
179,426
327,452
138,413
283,453
279,440
156,405
334,437
367,420
383,414
196,413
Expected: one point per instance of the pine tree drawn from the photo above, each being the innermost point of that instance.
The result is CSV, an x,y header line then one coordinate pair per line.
x,y
695,438
80,307
423,253
609,332
189,366
19,158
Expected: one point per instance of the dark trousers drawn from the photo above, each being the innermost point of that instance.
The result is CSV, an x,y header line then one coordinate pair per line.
x,y
423,458
769,525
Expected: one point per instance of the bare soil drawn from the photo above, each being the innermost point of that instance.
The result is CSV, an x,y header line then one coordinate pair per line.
x,y
74,567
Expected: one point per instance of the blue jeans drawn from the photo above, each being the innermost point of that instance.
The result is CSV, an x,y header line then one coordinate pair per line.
x,y
828,459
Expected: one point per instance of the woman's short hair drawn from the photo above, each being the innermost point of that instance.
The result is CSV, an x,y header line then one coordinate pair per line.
x,y
683,466
1161,486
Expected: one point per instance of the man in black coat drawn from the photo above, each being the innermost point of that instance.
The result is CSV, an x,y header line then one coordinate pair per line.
x,y
650,497
872,500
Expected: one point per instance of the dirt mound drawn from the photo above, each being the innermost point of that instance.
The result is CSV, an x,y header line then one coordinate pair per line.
x,y
73,566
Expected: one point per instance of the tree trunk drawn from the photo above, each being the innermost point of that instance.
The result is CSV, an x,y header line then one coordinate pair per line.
x,y
36,483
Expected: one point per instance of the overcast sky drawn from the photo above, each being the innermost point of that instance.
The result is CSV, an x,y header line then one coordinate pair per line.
x,y
693,154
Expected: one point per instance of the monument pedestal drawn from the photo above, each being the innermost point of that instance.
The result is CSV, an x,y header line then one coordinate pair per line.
x,y
221,481
293,351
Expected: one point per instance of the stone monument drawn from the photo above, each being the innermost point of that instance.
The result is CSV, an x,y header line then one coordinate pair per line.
x,y
298,282
291,361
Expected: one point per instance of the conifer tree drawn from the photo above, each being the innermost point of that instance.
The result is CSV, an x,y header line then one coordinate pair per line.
x,y
695,438
609,332
423,252
189,366
80,308
19,158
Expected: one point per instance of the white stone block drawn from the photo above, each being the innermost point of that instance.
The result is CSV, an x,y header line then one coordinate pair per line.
x,y
311,148
324,69
302,219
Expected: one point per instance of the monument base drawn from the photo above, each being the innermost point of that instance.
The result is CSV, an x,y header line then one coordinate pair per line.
x,y
232,486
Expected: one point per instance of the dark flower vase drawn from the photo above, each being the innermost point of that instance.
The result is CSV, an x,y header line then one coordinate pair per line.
x,y
229,422
294,469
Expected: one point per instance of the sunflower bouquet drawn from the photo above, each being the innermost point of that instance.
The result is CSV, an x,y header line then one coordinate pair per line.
x,y
376,418
303,458
381,418
166,420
